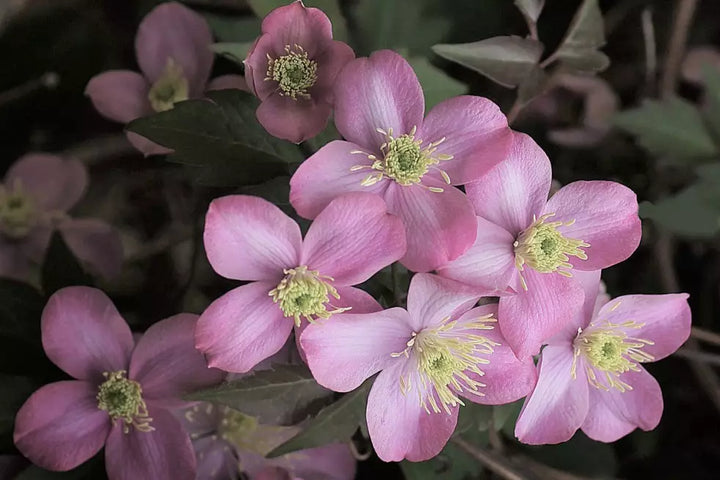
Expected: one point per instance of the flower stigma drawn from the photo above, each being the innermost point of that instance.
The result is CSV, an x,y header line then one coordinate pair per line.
x,y
294,72
18,214
122,399
169,89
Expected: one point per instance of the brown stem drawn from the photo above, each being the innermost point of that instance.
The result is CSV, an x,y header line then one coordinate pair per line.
x,y
698,356
705,336
494,463
684,12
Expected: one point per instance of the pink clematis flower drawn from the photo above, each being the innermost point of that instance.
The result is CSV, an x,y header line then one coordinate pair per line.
x,y
35,196
392,152
590,374
173,50
531,244
291,68
428,356
248,238
121,395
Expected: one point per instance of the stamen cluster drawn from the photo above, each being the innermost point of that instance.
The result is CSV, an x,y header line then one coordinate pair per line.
x,y
122,399
294,72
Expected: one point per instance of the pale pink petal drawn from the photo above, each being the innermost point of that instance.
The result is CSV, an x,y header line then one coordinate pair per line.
x,y
432,299
173,31
665,320
35,244
327,174
294,120
13,262
605,215
614,414
60,426
249,238
346,349
489,264
145,146
163,454
530,318
558,405
330,462
476,134
590,284
120,95
54,183
242,328
295,24
330,62
226,82
353,238
515,189
96,244
256,66
83,333
381,91
439,226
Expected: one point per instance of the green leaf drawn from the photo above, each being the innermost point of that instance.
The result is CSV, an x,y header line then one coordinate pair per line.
x,y
579,455
686,214
61,268
14,390
233,29
283,395
331,8
579,49
671,128
530,9
505,60
474,417
711,76
235,51
505,416
334,423
452,463
436,84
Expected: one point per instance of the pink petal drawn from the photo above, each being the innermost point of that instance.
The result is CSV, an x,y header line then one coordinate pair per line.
x,y
173,31
489,264
515,189
83,333
381,91
399,426
330,62
614,414
432,299
226,82
248,238
590,284
532,317
439,226
54,183
242,328
353,238
665,319
163,454
558,405
166,363
476,134
256,66
348,348
120,95
145,146
296,24
293,120
96,244
606,217
60,426
326,175
331,462
215,459
13,263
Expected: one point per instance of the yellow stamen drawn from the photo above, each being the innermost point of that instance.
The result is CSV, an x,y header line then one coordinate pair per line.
x,y
171,88
122,399
294,72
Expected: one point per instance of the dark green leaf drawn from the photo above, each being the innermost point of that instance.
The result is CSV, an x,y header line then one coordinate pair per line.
x,y
579,49
530,9
232,29
579,455
436,84
61,268
685,213
474,417
452,463
534,84
14,391
235,51
711,76
505,416
330,7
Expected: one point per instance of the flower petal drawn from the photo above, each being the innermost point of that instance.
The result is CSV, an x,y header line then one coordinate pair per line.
x,y
476,134
559,404
515,189
330,62
606,217
60,426
294,120
248,238
216,459
13,262
296,24
590,284
83,333
381,91
95,243
145,146
120,95
242,328
163,454
432,299
439,226
330,462
348,348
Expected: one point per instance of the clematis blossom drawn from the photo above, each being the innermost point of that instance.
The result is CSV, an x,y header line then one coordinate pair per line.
x,y
391,151
428,356
173,51
36,194
528,247
122,393
590,375
291,68
294,281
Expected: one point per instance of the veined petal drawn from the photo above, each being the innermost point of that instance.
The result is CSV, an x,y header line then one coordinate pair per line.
x,y
296,24
432,299
331,61
120,95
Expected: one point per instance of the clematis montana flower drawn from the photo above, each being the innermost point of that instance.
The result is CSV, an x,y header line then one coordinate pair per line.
x,y
532,245
291,69
590,374
35,196
173,50
428,357
392,152
248,238
121,395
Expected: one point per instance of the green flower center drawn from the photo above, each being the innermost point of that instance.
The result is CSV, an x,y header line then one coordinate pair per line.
x,y
18,214
169,89
122,399
294,72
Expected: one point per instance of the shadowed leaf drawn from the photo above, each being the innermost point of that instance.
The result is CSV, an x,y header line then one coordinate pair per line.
x,y
579,49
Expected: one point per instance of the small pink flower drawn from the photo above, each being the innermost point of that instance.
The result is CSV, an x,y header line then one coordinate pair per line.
x,y
173,50
248,238
392,152
121,395
429,355
35,196
291,68
590,374
532,245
